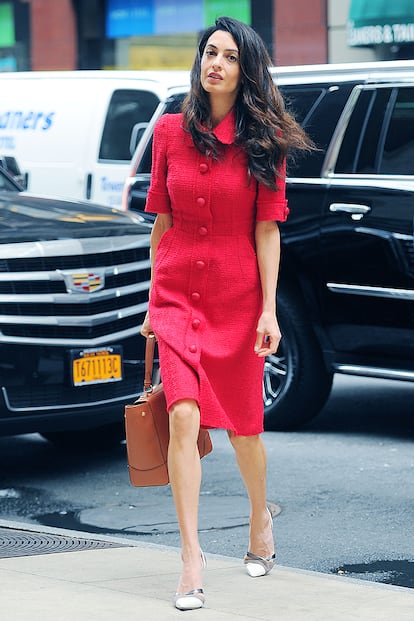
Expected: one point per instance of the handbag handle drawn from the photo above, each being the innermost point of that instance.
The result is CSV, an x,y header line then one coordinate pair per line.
x,y
149,362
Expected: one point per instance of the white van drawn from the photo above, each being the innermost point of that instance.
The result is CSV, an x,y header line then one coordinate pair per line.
x,y
72,133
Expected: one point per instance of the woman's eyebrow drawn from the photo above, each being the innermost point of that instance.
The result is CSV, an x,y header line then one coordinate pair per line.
x,y
229,49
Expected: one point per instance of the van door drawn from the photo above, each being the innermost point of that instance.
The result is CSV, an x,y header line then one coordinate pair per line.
x,y
105,179
43,125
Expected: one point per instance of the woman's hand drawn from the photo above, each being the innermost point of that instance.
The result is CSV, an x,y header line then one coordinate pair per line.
x,y
146,326
268,335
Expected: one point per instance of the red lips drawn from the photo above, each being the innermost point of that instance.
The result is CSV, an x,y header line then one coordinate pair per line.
x,y
215,76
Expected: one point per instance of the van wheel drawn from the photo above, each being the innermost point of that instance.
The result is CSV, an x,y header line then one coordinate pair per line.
x,y
94,440
296,382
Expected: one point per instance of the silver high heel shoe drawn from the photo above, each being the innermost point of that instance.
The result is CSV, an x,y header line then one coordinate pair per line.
x,y
257,566
192,599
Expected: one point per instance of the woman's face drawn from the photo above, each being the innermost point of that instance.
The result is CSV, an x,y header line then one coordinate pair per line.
x,y
220,65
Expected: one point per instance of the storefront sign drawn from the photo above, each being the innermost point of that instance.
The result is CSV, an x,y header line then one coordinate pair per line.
x,y
374,22
134,18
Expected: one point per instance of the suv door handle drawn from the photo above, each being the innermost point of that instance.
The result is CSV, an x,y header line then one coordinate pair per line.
x,y
355,210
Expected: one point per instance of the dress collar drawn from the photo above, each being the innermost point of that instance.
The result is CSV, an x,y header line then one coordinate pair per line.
x,y
225,131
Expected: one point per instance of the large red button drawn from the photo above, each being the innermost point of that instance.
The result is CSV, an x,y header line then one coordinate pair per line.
x,y
203,231
201,201
203,168
196,324
193,348
195,296
200,265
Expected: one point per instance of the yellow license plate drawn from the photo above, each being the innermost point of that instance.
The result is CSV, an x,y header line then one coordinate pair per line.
x,y
95,366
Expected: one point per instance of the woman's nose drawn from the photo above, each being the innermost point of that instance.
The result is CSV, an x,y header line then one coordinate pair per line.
x,y
217,62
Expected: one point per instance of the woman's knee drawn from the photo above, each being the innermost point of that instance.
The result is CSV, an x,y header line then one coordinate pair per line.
x,y
184,417
244,443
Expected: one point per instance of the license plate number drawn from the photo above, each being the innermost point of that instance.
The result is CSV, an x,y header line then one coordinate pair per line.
x,y
96,366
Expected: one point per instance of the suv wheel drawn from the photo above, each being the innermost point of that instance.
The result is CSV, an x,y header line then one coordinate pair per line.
x,y
296,382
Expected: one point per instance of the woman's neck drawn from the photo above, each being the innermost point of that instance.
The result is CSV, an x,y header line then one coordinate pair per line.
x,y
219,108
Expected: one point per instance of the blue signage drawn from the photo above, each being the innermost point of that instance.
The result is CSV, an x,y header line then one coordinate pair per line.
x,y
134,18
128,18
178,16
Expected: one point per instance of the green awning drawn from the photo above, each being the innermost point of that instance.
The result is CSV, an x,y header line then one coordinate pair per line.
x,y
372,22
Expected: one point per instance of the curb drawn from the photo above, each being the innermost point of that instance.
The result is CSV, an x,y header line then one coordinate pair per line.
x,y
34,528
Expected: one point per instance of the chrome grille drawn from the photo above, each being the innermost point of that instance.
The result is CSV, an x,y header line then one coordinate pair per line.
x,y
73,262
35,307
58,396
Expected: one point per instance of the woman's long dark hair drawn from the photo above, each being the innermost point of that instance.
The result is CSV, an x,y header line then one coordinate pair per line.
x,y
264,128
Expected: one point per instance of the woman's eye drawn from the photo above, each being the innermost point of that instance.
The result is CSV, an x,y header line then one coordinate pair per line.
x,y
232,58
209,53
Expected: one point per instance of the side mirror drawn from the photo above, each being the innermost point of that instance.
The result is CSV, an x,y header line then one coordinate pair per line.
x,y
136,134
10,165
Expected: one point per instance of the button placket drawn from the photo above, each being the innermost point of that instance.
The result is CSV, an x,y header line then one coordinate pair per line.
x,y
198,272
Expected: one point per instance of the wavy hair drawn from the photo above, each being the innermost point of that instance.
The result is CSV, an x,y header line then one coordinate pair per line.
x,y
264,129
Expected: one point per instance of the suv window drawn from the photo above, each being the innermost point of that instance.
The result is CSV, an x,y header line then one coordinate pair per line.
x,y
172,106
359,147
379,138
318,109
126,108
301,102
398,153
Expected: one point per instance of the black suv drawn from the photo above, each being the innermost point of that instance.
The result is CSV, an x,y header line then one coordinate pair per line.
x,y
73,293
345,300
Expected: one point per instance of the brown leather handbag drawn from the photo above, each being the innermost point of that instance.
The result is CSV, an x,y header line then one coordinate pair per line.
x,y
147,431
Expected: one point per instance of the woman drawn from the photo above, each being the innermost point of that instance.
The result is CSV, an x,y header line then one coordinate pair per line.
x,y
218,189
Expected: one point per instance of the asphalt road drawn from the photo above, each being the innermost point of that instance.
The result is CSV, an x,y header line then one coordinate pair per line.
x,y
344,486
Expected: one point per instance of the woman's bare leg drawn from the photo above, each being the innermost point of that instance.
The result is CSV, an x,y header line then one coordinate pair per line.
x,y
252,462
185,477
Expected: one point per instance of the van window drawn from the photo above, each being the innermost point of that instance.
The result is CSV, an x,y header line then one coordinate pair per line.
x,y
398,153
126,108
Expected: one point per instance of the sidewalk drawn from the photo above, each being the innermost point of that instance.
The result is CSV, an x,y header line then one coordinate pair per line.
x,y
136,582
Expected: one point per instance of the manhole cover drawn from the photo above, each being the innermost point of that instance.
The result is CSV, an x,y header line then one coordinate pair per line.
x,y
26,543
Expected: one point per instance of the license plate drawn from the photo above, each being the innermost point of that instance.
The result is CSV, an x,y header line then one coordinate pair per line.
x,y
96,366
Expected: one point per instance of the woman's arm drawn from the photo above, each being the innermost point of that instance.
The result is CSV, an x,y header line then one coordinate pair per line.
x,y
268,257
162,223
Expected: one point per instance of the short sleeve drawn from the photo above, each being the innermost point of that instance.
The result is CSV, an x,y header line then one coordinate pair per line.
x,y
158,199
271,204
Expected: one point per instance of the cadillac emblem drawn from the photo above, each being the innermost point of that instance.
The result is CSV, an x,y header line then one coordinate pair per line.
x,y
84,282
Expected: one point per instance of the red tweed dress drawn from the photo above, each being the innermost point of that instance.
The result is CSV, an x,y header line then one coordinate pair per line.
x,y
206,296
